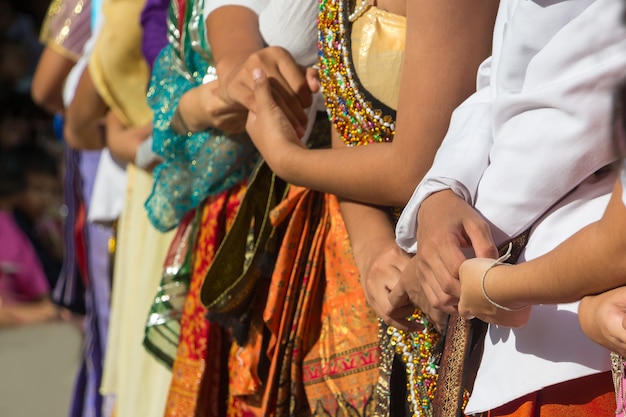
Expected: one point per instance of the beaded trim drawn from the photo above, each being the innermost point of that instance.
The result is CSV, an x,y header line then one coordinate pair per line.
x,y
416,350
357,115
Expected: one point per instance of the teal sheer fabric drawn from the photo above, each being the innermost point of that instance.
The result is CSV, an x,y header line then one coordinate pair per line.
x,y
198,165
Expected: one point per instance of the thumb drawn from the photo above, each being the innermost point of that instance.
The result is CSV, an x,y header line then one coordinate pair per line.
x,y
262,90
481,240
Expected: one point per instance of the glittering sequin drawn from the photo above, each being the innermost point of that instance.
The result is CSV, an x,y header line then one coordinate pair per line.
x,y
349,107
198,165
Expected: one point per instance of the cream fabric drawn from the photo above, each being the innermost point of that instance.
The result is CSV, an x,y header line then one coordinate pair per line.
x,y
378,42
139,383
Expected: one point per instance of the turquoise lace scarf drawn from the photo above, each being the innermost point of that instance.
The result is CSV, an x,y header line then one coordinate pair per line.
x,y
201,164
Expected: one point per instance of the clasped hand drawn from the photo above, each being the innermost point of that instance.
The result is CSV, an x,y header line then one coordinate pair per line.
x,y
447,224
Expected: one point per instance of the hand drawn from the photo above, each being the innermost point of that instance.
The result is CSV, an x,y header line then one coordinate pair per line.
x,y
603,319
291,85
268,127
123,141
380,270
203,107
406,296
473,302
446,223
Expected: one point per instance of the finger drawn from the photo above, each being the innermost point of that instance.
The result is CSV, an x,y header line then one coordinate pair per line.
x,y
294,78
290,105
290,114
398,298
312,79
438,276
399,318
479,235
436,302
245,96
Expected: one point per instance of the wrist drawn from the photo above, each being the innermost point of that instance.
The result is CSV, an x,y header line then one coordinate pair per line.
x,y
287,161
496,286
185,113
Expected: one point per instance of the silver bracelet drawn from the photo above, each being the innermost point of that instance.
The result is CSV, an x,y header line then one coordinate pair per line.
x,y
499,261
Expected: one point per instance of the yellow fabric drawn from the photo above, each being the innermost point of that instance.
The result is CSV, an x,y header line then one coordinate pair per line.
x,y
378,42
139,383
117,66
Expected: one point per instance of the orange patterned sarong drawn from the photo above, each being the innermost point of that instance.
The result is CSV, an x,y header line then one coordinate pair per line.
x,y
196,388
324,339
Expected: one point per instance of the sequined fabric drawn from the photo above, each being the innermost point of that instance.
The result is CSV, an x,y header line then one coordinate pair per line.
x,y
67,27
197,165
194,390
323,345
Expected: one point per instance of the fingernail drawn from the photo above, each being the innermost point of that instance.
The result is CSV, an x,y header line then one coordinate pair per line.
x,y
257,74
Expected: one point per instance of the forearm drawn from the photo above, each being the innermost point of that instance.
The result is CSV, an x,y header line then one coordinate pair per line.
x,y
84,116
366,174
589,262
233,33
387,173
48,80
369,228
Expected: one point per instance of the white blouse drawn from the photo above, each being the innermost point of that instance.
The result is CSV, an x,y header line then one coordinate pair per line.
x,y
523,151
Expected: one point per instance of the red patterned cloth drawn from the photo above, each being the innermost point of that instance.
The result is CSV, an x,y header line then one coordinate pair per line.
x,y
201,343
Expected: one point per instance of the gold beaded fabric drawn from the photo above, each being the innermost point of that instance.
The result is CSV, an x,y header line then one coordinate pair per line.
x,y
359,117
351,40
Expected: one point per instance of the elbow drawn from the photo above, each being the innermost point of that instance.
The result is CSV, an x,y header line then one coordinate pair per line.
x,y
47,97
81,138
405,186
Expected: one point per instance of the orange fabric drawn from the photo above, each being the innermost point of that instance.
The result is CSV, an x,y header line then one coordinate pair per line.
x,y
591,396
323,343
200,346
245,385
341,370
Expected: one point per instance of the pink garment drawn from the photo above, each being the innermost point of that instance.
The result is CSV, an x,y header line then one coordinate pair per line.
x,y
21,275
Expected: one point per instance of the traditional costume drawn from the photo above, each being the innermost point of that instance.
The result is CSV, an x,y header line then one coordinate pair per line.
x,y
532,150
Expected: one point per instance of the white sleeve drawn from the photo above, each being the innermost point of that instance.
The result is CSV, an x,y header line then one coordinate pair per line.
x,y
292,24
256,6
552,125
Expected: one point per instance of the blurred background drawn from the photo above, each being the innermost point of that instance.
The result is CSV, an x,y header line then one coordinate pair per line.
x,y
38,361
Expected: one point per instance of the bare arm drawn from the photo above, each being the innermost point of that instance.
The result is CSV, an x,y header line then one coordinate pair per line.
x,y
84,116
589,262
238,48
233,33
47,85
455,36
124,141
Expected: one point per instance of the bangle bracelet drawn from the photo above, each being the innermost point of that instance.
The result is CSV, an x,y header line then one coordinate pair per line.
x,y
497,262
179,118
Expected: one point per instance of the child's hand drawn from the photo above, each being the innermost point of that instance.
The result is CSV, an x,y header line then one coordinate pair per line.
x,y
270,129
290,84
603,319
